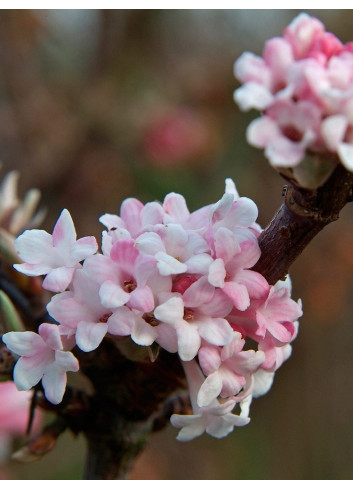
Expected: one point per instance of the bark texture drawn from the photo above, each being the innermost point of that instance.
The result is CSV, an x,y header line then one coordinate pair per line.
x,y
303,214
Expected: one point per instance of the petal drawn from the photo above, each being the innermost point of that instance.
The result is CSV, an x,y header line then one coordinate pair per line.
x,y
143,333
199,263
170,311
24,343
149,243
181,420
218,306
112,295
66,361
189,340
333,130
58,279
243,213
130,213
83,248
210,358
238,294
101,268
263,382
90,335
32,270
232,383
198,293
124,253
191,431
54,383
223,425
210,390
257,286
252,95
111,221
175,206
142,299
152,214
64,234
67,311
50,333
217,273
221,208
345,153
231,188
121,322
216,331
167,337
226,244
262,131
29,370
285,153
167,265
35,247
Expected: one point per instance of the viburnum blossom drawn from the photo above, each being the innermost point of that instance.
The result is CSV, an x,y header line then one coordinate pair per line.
x,y
42,358
303,86
168,277
56,255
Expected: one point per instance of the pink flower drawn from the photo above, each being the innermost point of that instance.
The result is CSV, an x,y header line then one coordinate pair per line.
x,y
175,250
56,256
286,131
122,277
179,136
308,38
215,419
199,313
271,317
14,416
230,271
14,409
303,85
228,369
42,358
181,280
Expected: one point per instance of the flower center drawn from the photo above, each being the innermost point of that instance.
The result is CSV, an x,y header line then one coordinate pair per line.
x,y
188,314
105,317
292,133
129,285
150,319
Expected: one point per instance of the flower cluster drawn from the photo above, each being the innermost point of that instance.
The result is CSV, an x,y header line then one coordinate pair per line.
x,y
303,85
169,277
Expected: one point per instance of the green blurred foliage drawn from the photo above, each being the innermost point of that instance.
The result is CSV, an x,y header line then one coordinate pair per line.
x,y
96,106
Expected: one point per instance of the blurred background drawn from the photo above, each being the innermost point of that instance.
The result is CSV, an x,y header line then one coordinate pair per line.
x,y
100,105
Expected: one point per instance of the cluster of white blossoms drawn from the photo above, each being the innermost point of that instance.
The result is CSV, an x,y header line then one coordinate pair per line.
x,y
169,277
303,84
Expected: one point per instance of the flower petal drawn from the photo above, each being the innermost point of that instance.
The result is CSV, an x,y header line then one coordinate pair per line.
x,y
210,390
58,279
90,335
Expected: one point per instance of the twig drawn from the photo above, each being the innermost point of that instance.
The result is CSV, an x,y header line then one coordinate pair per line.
x,y
303,214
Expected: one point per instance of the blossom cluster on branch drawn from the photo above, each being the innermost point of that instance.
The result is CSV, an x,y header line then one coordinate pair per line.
x,y
303,86
168,278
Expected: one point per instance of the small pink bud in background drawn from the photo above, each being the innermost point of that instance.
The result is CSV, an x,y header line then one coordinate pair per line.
x,y
176,137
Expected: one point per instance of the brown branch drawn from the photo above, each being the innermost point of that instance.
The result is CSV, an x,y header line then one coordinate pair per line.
x,y
128,395
303,214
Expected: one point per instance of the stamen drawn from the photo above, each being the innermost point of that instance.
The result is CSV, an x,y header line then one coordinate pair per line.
x,y
188,314
150,319
105,317
130,285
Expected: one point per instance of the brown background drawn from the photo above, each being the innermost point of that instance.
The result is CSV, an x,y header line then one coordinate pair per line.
x,y
96,106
